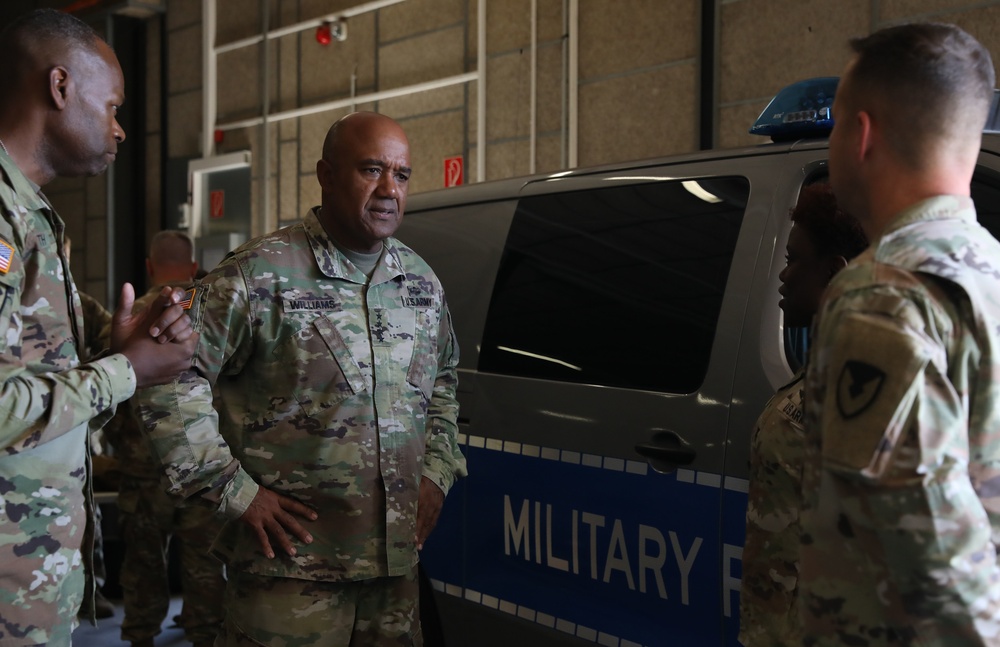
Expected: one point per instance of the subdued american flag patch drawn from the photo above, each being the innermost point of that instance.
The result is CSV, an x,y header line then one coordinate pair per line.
x,y
188,298
6,256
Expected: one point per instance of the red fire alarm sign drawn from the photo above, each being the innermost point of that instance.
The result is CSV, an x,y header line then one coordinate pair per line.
x,y
217,207
453,167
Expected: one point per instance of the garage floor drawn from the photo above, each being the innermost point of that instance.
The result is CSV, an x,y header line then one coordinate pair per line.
x,y
107,633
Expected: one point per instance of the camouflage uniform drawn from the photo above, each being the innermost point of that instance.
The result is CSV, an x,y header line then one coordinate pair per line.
x,y
332,390
769,610
49,403
96,328
149,516
901,511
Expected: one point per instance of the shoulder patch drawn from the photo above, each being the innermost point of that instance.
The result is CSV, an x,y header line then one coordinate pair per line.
x,y
858,387
875,370
6,256
188,298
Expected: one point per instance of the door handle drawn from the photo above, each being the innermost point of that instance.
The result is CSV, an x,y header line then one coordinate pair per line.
x,y
666,451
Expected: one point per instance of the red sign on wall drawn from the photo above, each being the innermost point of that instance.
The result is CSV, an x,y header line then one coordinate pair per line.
x,y
217,208
453,167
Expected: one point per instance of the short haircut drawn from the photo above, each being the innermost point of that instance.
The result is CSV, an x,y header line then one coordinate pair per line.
x,y
935,80
171,247
832,231
35,31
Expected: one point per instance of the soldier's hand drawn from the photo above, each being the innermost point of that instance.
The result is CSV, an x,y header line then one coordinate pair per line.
x,y
428,509
271,516
143,337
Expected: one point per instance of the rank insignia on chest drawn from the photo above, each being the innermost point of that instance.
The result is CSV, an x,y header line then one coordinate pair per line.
x,y
6,256
188,299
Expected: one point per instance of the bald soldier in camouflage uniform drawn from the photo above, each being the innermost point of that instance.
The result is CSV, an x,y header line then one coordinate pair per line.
x,y
902,514
331,347
149,517
62,85
822,240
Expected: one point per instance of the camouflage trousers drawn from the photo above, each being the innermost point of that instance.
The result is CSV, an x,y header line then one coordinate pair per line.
x,y
149,519
285,612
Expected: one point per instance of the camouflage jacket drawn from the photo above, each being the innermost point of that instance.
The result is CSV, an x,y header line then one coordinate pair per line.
x,y
124,431
769,612
96,327
49,401
331,391
901,506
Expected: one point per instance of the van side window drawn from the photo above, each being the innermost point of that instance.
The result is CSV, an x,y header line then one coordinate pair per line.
x,y
985,190
618,286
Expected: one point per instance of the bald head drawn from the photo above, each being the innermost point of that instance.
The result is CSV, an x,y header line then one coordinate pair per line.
x,y
356,126
171,258
364,176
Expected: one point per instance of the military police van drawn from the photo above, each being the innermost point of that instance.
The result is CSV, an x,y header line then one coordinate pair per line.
x,y
620,333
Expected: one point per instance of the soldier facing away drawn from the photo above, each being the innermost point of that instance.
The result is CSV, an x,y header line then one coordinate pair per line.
x,y
901,512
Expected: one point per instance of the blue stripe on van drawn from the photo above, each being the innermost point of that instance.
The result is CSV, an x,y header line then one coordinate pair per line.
x,y
600,547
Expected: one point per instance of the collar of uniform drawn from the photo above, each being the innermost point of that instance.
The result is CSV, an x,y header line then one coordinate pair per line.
x,y
939,207
27,191
335,265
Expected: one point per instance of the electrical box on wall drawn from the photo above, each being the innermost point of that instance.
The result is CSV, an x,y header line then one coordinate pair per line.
x,y
218,219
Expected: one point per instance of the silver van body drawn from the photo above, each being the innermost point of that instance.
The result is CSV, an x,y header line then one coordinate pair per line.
x,y
666,337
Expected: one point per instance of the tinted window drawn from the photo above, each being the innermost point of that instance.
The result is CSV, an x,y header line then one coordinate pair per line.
x,y
619,286
986,194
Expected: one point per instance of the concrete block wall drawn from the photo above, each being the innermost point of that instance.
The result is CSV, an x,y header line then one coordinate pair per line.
x,y
639,92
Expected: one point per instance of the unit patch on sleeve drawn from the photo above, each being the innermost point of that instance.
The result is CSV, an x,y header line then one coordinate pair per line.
x,y
858,387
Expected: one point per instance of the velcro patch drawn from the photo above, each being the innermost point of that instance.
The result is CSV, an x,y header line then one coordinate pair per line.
x,y
866,412
6,256
188,298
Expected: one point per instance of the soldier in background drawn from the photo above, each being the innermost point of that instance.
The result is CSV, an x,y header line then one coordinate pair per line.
x,y
334,438
901,510
62,87
821,242
149,517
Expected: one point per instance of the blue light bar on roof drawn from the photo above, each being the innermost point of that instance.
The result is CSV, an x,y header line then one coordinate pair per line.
x,y
799,110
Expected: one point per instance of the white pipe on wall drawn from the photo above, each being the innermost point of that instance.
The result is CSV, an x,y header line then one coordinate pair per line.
x,y
263,211
209,73
533,135
343,103
574,79
307,24
481,95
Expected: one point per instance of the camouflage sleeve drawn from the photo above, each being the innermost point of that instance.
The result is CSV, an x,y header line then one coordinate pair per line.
x,y
182,425
894,436
443,460
38,407
96,319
